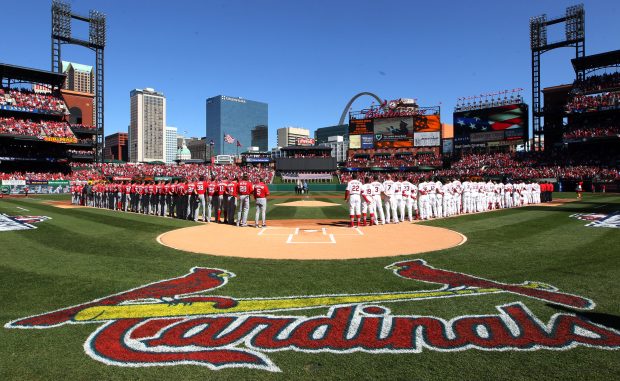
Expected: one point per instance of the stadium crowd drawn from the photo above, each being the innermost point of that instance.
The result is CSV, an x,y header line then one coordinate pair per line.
x,y
597,83
27,99
596,132
583,103
26,127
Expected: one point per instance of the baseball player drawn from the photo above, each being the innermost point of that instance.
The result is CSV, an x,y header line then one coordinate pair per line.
x,y
244,189
201,190
432,197
407,203
367,203
127,198
397,199
377,190
213,198
353,196
261,192
222,199
426,210
439,199
191,200
388,192
231,206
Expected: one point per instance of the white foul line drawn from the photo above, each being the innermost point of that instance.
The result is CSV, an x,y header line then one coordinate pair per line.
x,y
18,207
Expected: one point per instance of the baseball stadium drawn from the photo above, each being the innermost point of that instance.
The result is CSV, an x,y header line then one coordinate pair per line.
x,y
402,248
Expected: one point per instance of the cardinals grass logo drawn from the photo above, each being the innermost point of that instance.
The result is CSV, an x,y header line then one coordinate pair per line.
x,y
8,223
173,322
599,220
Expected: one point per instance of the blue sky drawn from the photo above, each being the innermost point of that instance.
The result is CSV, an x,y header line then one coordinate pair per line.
x,y
306,58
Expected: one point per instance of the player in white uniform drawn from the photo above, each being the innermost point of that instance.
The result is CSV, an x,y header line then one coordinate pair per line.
x,y
353,195
407,203
426,210
508,195
457,197
467,197
536,193
377,189
432,198
446,190
388,192
368,204
397,201
438,199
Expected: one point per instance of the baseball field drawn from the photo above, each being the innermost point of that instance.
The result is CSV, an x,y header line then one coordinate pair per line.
x,y
522,294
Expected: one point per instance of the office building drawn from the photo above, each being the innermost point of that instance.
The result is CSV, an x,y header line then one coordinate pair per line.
x,y
171,144
260,138
80,78
116,147
235,117
198,148
147,129
287,136
339,147
323,134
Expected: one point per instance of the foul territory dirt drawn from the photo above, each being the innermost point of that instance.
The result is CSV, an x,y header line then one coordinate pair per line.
x,y
311,239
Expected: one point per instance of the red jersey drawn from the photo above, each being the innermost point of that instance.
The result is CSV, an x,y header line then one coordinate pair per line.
x,y
160,189
221,187
127,188
201,187
182,189
167,189
212,188
244,187
231,188
261,190
191,187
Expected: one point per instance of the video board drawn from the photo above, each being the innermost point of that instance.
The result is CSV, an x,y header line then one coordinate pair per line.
x,y
393,132
360,126
502,123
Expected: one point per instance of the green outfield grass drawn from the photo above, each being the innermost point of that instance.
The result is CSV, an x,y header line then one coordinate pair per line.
x,y
83,254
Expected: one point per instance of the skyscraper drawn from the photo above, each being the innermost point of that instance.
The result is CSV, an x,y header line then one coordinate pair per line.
x,y
235,117
171,144
147,130
116,147
80,77
260,138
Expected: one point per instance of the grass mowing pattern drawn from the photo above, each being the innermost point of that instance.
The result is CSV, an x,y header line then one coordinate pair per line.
x,y
82,254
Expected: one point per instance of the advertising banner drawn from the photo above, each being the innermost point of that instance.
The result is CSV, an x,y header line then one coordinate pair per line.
x,y
54,139
368,141
13,182
426,123
305,141
426,139
479,137
448,146
360,126
355,141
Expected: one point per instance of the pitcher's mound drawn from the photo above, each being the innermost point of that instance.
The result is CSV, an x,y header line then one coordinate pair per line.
x,y
311,240
307,204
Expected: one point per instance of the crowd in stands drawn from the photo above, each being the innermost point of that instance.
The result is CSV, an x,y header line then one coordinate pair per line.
x,y
583,103
596,132
303,155
89,171
32,101
597,83
12,126
383,160
83,127
516,166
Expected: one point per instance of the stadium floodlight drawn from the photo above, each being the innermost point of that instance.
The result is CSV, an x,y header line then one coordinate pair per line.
x,y
97,28
61,19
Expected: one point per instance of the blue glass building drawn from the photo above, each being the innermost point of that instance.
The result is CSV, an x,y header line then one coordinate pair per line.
x,y
236,117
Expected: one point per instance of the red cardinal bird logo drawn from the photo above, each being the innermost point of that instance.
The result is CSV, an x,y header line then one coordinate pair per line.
x,y
199,279
417,269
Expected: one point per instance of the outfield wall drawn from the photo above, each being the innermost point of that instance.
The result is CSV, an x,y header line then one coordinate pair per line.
x,y
312,187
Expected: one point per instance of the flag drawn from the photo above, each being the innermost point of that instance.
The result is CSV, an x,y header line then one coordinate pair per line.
x,y
229,139
238,144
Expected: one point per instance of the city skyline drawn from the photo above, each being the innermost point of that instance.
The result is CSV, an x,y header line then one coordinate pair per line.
x,y
307,74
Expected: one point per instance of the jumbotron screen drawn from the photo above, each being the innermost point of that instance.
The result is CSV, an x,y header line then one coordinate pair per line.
x,y
501,123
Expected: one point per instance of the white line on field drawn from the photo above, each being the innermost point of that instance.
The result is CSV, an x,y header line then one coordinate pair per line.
x,y
20,208
331,237
290,238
